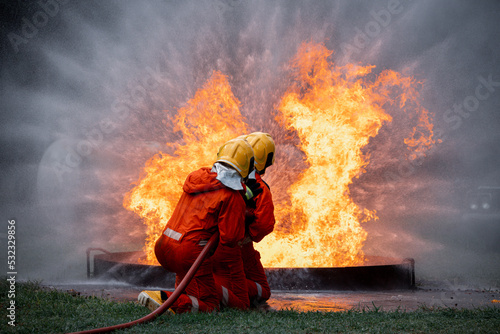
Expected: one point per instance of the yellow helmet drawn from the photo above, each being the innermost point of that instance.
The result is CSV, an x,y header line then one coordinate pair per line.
x,y
238,154
263,149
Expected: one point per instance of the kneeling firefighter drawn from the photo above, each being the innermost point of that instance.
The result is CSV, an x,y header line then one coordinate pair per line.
x,y
239,272
211,200
260,219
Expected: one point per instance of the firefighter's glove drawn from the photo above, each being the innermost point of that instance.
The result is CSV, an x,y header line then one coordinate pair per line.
x,y
252,189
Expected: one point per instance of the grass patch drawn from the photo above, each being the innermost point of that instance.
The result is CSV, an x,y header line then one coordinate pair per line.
x,y
42,310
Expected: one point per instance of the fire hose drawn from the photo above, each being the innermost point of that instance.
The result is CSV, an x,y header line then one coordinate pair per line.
x,y
212,242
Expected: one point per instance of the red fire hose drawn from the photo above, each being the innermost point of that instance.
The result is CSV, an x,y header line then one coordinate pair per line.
x,y
173,297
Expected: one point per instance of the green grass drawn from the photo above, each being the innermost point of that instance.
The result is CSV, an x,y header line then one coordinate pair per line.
x,y
41,310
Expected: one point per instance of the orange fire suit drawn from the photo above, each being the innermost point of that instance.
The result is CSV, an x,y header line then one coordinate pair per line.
x,y
205,206
259,223
229,275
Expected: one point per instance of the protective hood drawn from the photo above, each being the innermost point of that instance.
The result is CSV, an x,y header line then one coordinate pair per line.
x,y
228,176
202,180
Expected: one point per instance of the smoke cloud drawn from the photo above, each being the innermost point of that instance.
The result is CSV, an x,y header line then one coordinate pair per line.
x,y
88,91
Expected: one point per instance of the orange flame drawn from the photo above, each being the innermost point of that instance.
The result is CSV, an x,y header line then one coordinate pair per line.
x,y
334,111
207,121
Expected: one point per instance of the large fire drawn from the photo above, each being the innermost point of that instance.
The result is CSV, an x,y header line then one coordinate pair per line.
x,y
334,111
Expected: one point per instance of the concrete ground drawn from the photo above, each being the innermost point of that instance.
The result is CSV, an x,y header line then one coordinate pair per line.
x,y
327,301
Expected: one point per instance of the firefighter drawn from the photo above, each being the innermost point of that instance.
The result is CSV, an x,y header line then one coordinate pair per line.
x,y
227,264
240,274
212,199
259,220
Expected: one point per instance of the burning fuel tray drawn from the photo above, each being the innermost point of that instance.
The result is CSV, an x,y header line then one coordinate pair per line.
x,y
378,273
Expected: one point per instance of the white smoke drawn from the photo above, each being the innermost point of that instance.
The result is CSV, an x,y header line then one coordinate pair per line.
x,y
87,90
